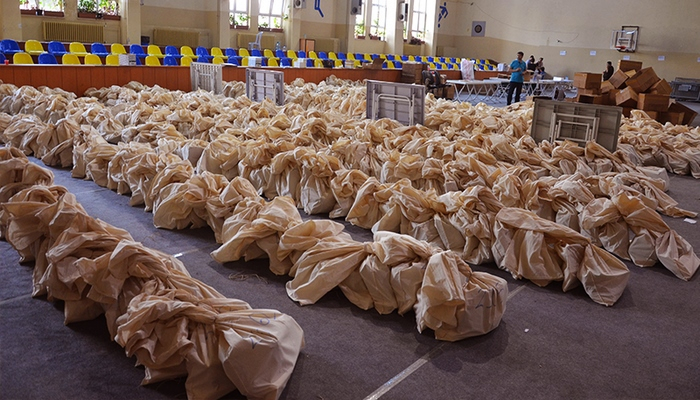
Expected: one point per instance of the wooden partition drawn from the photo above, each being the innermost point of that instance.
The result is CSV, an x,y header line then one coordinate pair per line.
x,y
78,78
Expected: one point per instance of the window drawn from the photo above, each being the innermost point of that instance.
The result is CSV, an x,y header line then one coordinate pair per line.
x,y
378,21
46,5
271,14
104,7
238,13
418,20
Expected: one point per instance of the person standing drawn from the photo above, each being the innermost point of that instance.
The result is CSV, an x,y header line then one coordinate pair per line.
x,y
516,78
609,71
531,64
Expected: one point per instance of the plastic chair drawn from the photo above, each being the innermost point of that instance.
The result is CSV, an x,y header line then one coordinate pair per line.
x,y
117,48
272,62
33,47
93,59
187,51
398,64
170,61
152,61
172,51
9,46
255,53
78,49
216,52
332,55
310,63
342,56
285,62
218,60
312,54
186,61
202,52
22,58
390,57
70,59
244,61
235,60
99,49
256,43
280,54
268,53
202,59
154,50
301,54
339,63
57,49
112,59
243,52
137,50
47,59
291,54
322,55
230,52
2,58
317,62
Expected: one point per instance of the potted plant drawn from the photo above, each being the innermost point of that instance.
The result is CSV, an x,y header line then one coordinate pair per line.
x,y
360,31
87,9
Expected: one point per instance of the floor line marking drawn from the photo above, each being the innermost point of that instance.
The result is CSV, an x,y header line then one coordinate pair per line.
x,y
516,291
391,383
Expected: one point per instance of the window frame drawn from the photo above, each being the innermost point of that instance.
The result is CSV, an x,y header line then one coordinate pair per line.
x,y
268,17
239,14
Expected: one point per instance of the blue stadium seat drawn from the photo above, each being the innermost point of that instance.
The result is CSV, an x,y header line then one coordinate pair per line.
x,y
47,58
202,52
99,49
170,61
235,60
137,50
285,62
280,54
342,56
9,47
230,52
173,52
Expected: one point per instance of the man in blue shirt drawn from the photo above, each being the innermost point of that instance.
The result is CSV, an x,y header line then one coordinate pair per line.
x,y
516,78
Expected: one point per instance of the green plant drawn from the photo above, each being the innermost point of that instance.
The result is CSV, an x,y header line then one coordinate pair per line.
x,y
89,6
238,19
359,29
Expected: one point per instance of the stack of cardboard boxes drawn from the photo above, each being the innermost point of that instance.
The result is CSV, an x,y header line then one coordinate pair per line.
x,y
630,87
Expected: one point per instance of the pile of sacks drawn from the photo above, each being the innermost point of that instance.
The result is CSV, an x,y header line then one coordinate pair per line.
x,y
444,183
174,324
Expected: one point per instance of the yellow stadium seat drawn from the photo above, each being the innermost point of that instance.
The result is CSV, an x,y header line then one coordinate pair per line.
x,y
244,62
268,53
218,60
186,51
332,55
291,54
112,59
154,50
318,63
117,48
243,52
216,52
92,59
357,63
368,57
22,58
186,61
312,54
351,56
272,62
33,47
70,59
152,61
78,49
390,65
338,63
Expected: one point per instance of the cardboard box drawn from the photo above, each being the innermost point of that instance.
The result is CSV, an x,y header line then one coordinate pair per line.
x,y
688,113
676,118
627,97
587,80
612,95
412,72
629,65
593,92
618,79
606,87
653,102
661,87
652,114
627,111
591,99
643,80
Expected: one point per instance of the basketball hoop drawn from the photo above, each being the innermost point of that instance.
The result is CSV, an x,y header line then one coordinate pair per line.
x,y
621,48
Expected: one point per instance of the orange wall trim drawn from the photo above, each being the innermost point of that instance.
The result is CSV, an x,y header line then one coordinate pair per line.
x,y
78,78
